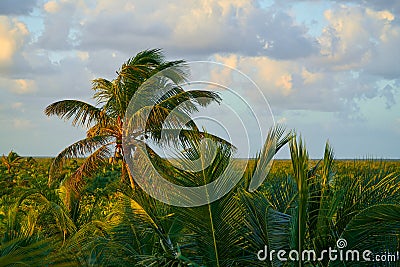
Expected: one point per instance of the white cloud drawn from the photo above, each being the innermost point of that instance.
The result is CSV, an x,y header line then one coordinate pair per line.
x,y
51,7
23,86
192,28
12,36
82,55
59,20
367,41
22,124
295,70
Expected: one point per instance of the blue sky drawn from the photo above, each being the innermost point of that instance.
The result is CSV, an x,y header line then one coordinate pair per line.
x,y
329,69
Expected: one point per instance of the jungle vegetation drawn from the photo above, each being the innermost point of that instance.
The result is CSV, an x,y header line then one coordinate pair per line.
x,y
83,207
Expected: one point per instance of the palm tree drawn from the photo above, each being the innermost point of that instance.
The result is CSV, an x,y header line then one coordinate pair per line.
x,y
312,208
104,121
38,230
12,160
213,234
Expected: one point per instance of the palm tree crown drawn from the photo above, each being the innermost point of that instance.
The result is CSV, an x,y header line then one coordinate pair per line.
x,y
105,120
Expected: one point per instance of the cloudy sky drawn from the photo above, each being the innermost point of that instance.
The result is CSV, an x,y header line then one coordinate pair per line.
x,y
330,69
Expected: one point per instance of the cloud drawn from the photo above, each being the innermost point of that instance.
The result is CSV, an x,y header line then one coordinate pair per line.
x,y
295,43
296,70
282,120
82,55
193,28
23,86
51,7
59,22
349,55
18,86
22,124
392,6
297,85
70,79
17,7
388,92
13,34
366,42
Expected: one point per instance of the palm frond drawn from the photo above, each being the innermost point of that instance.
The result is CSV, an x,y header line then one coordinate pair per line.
x,y
36,253
357,191
77,149
376,229
262,226
322,217
88,168
51,212
104,90
149,56
263,163
186,100
299,158
82,113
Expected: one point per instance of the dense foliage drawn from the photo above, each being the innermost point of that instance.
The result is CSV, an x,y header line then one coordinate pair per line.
x,y
118,226
83,208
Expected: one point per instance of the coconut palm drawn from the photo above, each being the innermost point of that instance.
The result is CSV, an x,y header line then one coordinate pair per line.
x,y
104,121
312,208
213,234
34,230
12,160
40,231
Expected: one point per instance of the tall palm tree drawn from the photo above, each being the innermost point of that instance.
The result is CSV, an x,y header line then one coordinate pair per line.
x,y
104,121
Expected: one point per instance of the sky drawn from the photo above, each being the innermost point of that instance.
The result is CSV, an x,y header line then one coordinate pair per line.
x,y
329,69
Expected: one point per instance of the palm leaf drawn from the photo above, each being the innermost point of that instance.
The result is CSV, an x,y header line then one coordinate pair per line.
x,y
36,253
82,113
299,158
78,149
88,168
376,229
263,162
263,226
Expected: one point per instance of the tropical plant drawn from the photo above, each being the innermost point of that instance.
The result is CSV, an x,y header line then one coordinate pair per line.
x,y
34,231
117,225
11,161
208,235
37,229
312,208
105,120
302,205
